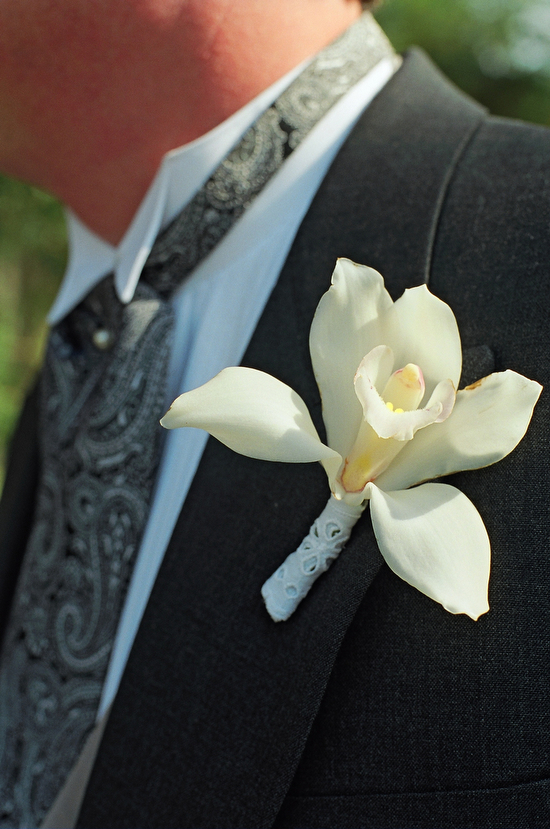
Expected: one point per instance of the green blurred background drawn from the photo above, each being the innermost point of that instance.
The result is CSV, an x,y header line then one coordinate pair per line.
x,y
496,50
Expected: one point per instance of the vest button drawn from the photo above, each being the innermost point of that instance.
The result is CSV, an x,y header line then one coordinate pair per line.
x,y
103,339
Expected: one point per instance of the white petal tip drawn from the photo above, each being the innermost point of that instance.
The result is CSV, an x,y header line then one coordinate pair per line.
x,y
474,614
170,420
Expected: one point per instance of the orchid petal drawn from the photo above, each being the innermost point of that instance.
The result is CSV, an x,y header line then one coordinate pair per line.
x,y
434,539
488,421
253,414
401,426
346,326
444,394
422,329
376,366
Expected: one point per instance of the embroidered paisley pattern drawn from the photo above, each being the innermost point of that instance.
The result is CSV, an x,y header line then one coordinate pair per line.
x,y
99,464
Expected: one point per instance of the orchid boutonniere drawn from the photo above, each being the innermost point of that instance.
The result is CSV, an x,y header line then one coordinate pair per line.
x,y
387,374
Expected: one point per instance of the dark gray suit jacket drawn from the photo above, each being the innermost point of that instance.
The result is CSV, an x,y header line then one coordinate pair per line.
x,y
371,706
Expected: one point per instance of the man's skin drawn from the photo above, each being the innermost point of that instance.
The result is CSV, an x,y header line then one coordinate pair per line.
x,y
93,93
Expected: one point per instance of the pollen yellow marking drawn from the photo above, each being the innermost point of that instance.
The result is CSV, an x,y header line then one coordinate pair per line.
x,y
389,405
399,411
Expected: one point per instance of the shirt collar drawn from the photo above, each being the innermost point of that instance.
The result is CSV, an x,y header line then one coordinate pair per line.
x,y
182,172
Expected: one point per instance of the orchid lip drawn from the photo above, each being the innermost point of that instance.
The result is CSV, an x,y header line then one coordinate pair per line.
x,y
390,419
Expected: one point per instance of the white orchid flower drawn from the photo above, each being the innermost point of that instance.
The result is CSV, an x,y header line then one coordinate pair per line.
x,y
387,373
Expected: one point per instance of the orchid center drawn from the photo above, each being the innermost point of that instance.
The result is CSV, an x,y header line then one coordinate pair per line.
x,y
404,390
372,453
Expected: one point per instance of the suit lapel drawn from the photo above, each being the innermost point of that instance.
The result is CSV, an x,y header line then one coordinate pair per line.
x,y
217,701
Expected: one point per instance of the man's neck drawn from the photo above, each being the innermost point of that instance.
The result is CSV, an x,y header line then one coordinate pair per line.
x,y
92,95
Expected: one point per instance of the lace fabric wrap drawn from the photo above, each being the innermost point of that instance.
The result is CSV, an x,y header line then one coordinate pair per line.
x,y
292,581
101,402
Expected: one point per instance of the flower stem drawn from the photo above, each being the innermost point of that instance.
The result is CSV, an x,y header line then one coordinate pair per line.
x,y
286,588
